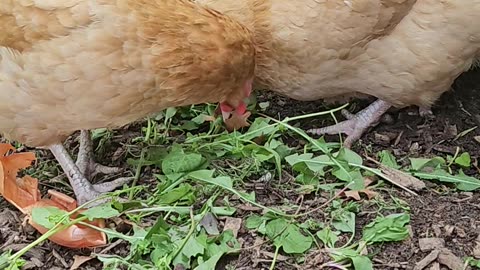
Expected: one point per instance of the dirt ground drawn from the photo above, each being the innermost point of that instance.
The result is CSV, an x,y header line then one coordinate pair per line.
x,y
437,212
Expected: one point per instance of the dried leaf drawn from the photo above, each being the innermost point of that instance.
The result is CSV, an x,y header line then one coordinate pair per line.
x,y
209,118
237,121
234,224
18,192
355,194
24,194
79,260
404,179
75,236
400,179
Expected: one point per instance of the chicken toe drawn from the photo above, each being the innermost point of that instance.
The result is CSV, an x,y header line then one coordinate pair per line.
x,y
83,189
425,111
85,162
356,124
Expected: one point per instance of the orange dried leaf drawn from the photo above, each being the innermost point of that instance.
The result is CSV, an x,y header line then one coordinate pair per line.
x,y
24,194
75,236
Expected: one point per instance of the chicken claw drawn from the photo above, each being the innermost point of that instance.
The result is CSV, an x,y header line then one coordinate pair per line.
x,y
356,124
79,173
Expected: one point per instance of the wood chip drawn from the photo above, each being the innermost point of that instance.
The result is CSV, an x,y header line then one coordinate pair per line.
x,y
435,266
476,250
427,260
450,260
427,244
59,258
79,260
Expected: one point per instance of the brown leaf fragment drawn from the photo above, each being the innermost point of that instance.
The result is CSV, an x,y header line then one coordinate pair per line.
x,y
233,224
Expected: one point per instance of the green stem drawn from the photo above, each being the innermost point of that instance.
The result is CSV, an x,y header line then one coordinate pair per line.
x,y
275,256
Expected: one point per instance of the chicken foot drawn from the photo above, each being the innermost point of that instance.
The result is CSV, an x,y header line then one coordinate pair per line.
x,y
85,162
356,124
79,172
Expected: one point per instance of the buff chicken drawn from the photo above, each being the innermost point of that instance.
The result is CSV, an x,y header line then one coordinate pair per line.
x,y
403,52
85,64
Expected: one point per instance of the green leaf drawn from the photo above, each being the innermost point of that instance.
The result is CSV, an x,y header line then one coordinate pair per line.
x,y
260,127
102,211
192,248
183,194
328,237
288,236
420,163
467,183
388,159
307,179
349,156
473,262
215,248
160,227
462,182
362,263
275,228
254,221
223,211
153,156
294,242
387,229
463,160
210,263
178,162
345,222
354,178
301,163
48,216
170,112
8,264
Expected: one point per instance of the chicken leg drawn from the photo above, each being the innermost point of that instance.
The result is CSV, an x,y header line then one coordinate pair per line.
x,y
85,168
85,162
356,124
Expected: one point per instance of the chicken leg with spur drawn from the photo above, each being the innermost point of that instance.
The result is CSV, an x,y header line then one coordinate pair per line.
x,y
81,65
